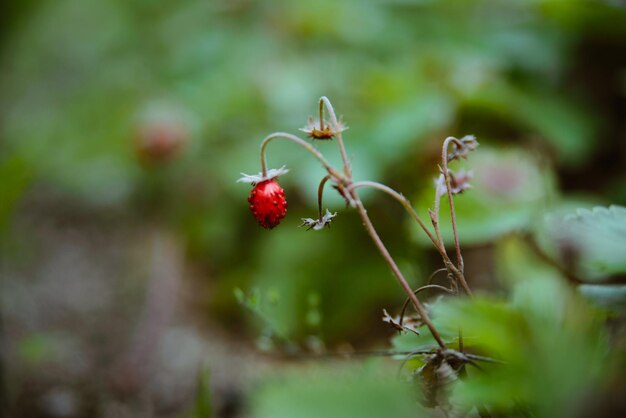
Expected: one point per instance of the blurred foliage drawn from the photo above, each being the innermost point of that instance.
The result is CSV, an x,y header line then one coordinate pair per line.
x,y
591,242
551,347
203,407
150,109
336,390
551,341
83,81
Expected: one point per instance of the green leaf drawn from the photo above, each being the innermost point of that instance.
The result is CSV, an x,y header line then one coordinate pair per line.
x,y
552,342
594,241
409,341
336,391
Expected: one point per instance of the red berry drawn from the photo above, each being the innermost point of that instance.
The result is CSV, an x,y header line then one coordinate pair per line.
x,y
267,203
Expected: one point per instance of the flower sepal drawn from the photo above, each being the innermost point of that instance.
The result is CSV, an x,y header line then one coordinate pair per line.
x,y
321,223
323,130
258,178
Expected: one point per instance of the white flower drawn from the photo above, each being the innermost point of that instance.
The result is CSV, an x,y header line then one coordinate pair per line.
x,y
257,178
317,224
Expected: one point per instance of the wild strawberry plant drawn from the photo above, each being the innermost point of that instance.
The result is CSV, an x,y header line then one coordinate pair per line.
x,y
269,207
492,385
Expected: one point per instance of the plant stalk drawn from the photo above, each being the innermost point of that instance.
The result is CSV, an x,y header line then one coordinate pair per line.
x,y
320,195
402,200
347,169
367,223
303,144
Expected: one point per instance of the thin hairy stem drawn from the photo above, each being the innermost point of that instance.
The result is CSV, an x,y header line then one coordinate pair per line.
x,y
303,144
333,119
396,271
434,273
438,242
459,271
434,217
446,175
402,200
320,195
457,275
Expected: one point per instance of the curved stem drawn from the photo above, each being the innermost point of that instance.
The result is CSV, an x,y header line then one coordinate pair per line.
x,y
322,114
402,200
435,219
458,272
446,175
396,271
320,195
438,242
434,273
333,119
303,144
426,287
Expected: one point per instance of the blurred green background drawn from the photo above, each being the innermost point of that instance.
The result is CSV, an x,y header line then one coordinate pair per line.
x,y
124,126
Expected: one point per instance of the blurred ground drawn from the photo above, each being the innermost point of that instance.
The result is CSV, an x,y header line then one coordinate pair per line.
x,y
99,319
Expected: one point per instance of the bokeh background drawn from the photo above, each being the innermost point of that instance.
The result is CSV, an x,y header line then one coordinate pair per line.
x,y
135,281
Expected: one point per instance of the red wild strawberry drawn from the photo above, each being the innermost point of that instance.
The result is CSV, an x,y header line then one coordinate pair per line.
x,y
267,203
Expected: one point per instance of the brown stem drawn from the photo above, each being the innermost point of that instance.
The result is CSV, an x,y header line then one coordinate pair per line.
x,y
426,287
320,195
434,273
333,119
396,271
446,175
435,218
402,200
303,144
458,272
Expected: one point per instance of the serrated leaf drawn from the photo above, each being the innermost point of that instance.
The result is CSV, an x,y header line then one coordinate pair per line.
x,y
592,242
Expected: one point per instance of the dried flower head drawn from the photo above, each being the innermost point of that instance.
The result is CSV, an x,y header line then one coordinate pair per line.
x,y
317,224
462,147
322,129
